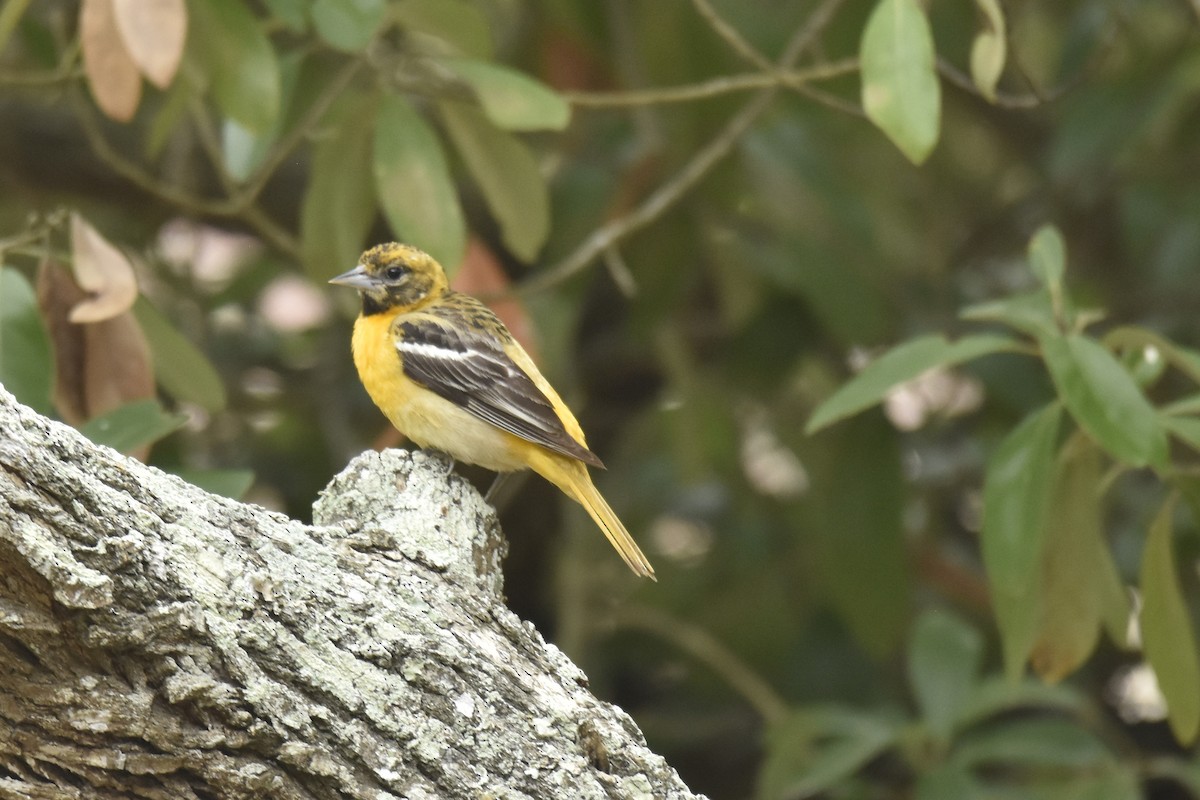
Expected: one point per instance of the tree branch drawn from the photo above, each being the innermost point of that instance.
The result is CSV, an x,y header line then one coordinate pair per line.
x,y
674,189
160,642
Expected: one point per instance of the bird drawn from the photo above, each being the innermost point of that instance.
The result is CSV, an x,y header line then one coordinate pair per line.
x,y
445,370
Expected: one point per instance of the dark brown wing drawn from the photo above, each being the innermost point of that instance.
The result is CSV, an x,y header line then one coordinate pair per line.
x,y
473,371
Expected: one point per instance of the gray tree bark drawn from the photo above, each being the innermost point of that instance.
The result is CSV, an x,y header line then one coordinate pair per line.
x,y
157,641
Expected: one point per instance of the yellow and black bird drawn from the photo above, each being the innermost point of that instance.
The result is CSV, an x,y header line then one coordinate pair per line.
x,y
448,374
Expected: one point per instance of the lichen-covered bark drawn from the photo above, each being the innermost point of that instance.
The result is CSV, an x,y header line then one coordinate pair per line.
x,y
160,642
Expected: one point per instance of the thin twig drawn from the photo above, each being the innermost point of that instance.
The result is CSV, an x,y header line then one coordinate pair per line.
x,y
701,162
243,197
66,70
707,649
239,202
303,128
831,101
1002,100
768,76
730,35
1036,96
210,143
133,172
40,78
657,203
621,274
648,129
807,34
275,235
19,241
797,81
792,79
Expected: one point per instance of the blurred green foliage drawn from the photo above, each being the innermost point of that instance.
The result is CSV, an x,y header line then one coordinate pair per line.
x,y
711,217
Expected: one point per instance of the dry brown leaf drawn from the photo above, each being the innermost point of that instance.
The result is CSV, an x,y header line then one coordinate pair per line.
x,y
111,73
98,366
154,32
103,272
56,293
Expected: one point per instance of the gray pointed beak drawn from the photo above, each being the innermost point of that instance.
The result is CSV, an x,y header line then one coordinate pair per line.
x,y
357,278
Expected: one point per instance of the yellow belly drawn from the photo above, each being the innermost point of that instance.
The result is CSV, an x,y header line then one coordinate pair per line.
x,y
426,418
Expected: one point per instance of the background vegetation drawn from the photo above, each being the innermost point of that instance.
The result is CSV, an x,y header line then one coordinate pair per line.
x,y
980,220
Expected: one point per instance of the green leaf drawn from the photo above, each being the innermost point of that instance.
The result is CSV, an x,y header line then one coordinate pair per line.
x,y
10,15
1115,604
1033,743
1080,585
998,695
339,204
1186,429
1118,782
26,361
1145,365
1030,313
858,535
132,425
348,25
245,150
1016,490
1130,337
1048,255
948,782
1048,263
414,184
900,90
238,59
1168,639
1104,400
1189,406
179,366
167,118
1188,485
900,364
458,23
507,174
293,13
943,666
512,100
1183,771
989,49
231,483
815,748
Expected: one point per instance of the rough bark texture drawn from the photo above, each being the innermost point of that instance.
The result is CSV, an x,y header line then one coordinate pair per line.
x,y
160,642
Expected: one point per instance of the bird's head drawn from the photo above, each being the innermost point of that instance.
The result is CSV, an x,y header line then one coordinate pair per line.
x,y
391,276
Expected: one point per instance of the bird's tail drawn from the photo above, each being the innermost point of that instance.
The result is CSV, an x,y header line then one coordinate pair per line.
x,y
571,476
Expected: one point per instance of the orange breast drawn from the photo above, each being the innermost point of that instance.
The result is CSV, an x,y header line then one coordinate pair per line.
x,y
426,418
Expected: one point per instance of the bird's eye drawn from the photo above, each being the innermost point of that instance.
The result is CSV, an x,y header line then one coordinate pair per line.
x,y
394,273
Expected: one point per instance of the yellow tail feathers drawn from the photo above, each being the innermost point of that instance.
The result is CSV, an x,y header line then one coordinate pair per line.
x,y
572,478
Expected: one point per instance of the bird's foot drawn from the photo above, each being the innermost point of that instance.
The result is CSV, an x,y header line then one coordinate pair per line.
x,y
443,455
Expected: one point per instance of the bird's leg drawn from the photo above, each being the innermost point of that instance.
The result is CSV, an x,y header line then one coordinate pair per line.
x,y
497,482
442,454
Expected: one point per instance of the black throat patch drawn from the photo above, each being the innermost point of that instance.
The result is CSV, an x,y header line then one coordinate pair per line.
x,y
410,291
